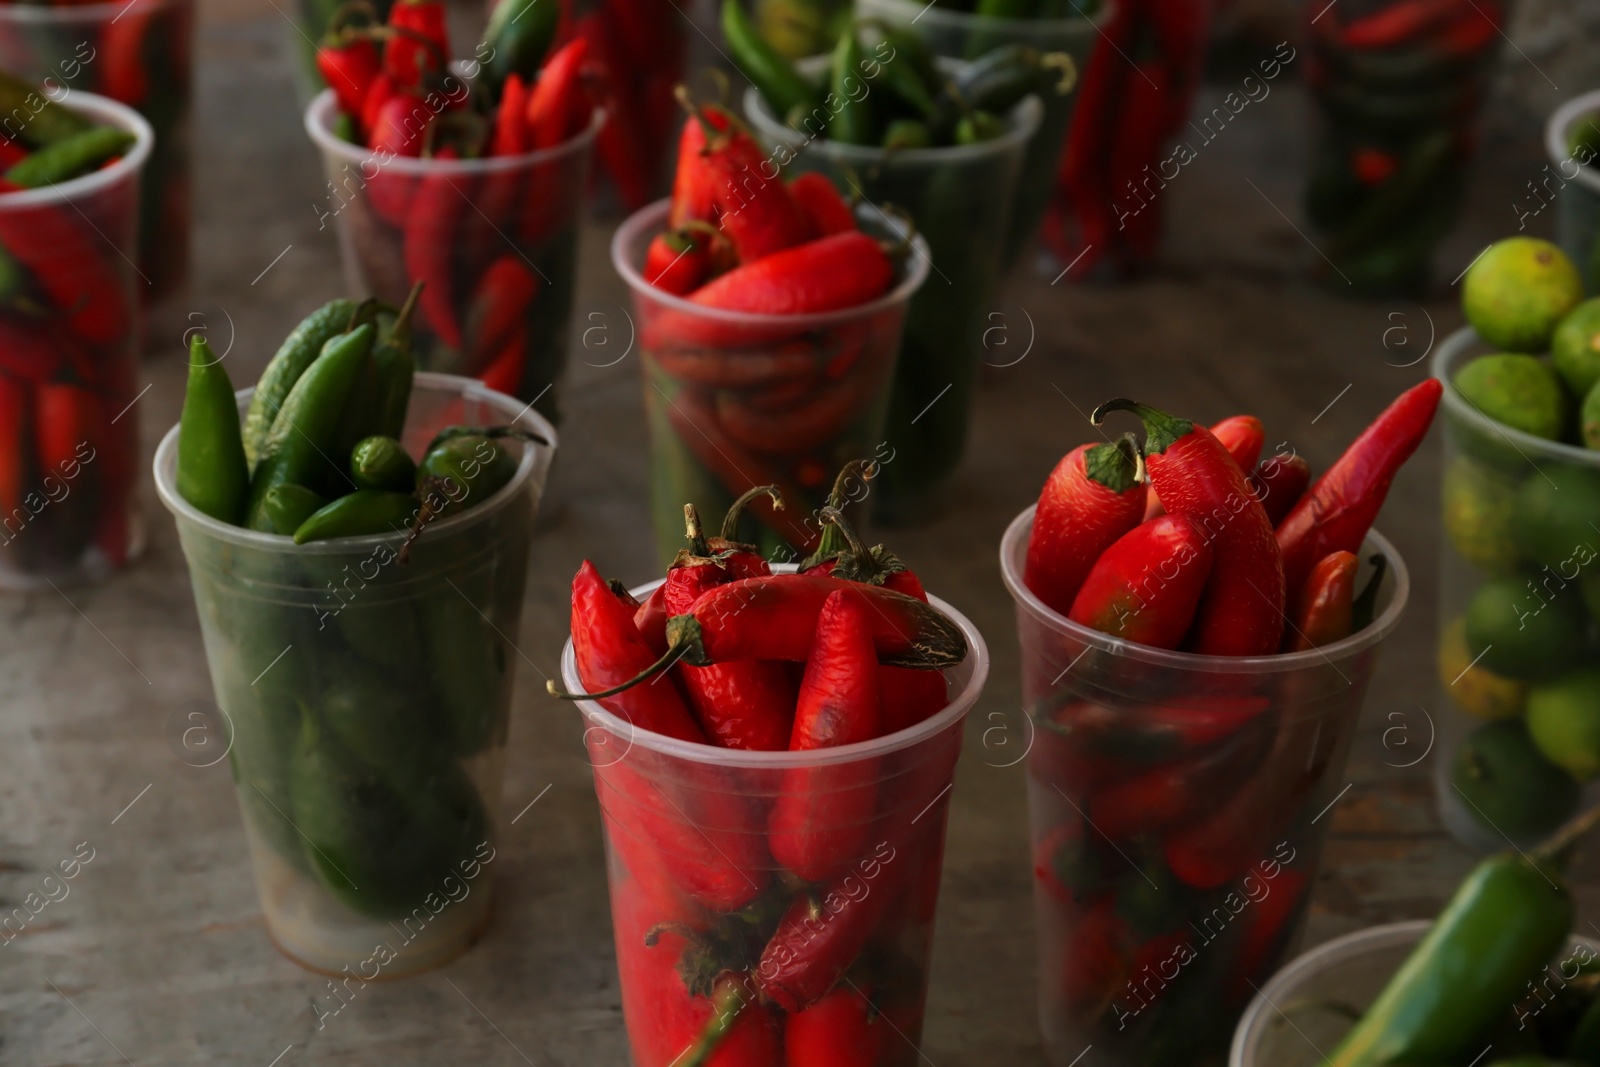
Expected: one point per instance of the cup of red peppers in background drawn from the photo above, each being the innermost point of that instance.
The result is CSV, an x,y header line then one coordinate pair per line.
x,y
1062,27
1398,85
1198,630
1572,141
69,337
473,187
139,53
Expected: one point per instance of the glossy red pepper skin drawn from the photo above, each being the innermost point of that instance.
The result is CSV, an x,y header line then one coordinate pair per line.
x,y
1177,793
70,264
432,223
754,208
650,619
1148,584
16,449
1139,143
828,274
820,202
1279,484
694,191
398,121
1089,500
821,821
840,1030
552,99
32,351
625,143
499,310
124,73
405,57
503,373
1325,606
1398,24
1270,925
676,264
350,67
1242,435
1336,513
1241,612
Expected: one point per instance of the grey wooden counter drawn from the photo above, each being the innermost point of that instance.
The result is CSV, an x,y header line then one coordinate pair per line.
x,y
159,956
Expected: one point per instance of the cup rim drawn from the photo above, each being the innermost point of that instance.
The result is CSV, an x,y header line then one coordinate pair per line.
x,y
133,160
535,458
1555,135
77,13
653,216
1453,350
1016,538
1022,122
969,20
960,704
318,123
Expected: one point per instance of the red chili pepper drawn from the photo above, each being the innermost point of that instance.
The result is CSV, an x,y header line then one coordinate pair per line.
x,y
1326,604
694,183
1093,497
350,66
430,243
74,267
11,153
840,271
1242,435
124,72
423,43
395,121
624,142
16,448
650,619
1096,958
1339,509
1372,166
754,208
1241,612
821,819
1179,792
69,420
1137,147
504,371
1266,934
1470,34
551,100
675,263
819,200
840,1030
1397,24
33,350
1148,584
499,311
1279,484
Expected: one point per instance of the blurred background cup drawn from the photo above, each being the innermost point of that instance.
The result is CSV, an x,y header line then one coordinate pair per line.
x,y
1519,599
139,53
1572,140
1176,803
691,876
494,240
736,400
959,198
366,699
963,35
69,352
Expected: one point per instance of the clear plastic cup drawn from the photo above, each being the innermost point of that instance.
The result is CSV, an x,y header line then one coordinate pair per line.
x,y
963,35
1578,192
366,702
1176,803
495,240
1519,516
69,433
139,53
736,400
1299,1015
960,198
689,869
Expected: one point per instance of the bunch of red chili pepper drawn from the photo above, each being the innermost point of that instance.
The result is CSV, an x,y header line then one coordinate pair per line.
x,y
67,348
1169,879
493,247
771,914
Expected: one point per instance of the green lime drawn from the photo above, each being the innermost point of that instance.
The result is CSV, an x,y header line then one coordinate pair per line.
x,y
1589,418
1518,290
1575,348
1520,391
1508,785
1476,690
1477,514
1555,522
1522,631
1564,721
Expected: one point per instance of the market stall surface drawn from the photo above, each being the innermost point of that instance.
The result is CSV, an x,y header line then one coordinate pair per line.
x,y
157,953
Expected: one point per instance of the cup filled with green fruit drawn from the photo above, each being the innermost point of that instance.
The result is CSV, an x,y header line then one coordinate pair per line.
x,y
357,537
1520,568
1572,141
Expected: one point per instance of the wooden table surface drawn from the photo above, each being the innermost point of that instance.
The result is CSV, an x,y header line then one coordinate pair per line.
x,y
159,956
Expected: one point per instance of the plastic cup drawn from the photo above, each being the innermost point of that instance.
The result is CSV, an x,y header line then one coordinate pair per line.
x,y
494,240
69,435
366,704
963,35
139,53
1578,191
737,400
687,857
960,198
1176,805
1519,515
1399,119
1301,1010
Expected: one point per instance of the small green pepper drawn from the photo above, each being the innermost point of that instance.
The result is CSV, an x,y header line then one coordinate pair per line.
x,y
852,121
378,402
774,77
462,472
903,134
515,41
287,506
357,514
26,113
380,462
68,159
979,126
211,474
298,351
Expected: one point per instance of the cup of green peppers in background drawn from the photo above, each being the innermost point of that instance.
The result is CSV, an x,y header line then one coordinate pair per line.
x,y
139,53
1067,27
959,197
367,686
1572,140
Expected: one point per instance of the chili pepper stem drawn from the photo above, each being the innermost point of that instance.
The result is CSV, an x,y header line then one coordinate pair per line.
x,y
1557,851
727,1004
1161,429
730,520
694,532
828,546
676,650
1068,67
871,566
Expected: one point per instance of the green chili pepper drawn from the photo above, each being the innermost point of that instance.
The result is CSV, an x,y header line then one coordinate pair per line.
x,y
451,432
516,39
774,77
902,78
1507,920
380,397
303,436
852,121
381,722
910,54
902,134
462,472
467,659
979,126
298,351
26,113
365,511
380,462
211,469
287,506
67,159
